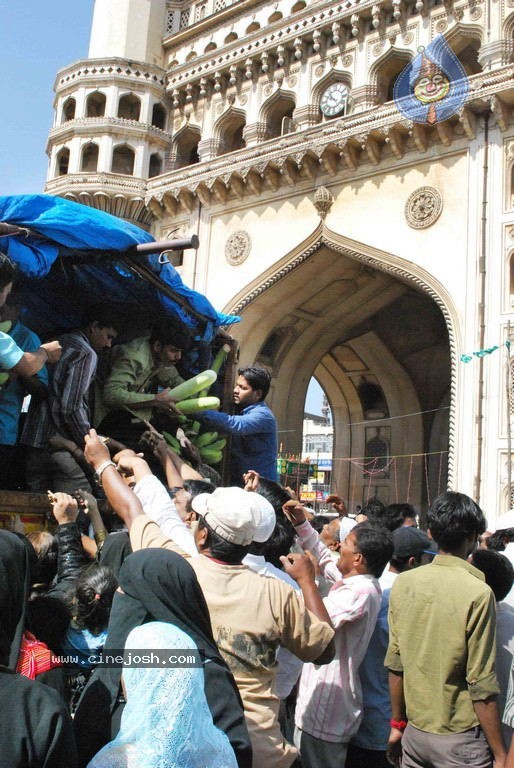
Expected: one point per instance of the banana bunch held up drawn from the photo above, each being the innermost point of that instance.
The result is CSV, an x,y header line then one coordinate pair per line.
x,y
209,444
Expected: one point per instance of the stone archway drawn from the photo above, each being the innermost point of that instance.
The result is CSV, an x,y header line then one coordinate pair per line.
x,y
347,313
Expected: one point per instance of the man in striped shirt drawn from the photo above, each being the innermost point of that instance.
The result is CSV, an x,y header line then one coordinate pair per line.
x,y
67,411
329,703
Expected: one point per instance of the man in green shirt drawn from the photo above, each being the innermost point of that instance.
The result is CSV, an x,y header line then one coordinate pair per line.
x,y
139,379
441,651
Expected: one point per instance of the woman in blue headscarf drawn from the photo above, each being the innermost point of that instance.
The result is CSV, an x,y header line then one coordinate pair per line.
x,y
166,722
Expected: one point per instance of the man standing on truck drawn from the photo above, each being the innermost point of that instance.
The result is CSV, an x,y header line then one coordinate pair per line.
x,y
141,373
253,428
56,427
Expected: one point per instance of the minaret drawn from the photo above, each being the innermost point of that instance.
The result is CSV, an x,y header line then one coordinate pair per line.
x,y
128,29
111,115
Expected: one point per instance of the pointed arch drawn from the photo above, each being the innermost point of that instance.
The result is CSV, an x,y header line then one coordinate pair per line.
x,y
385,70
95,104
406,273
275,111
228,130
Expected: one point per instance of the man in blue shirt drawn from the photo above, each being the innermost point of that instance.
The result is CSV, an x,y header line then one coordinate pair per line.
x,y
253,428
12,357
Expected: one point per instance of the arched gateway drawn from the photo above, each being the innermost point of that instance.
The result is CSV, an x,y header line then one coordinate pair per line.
x,y
379,334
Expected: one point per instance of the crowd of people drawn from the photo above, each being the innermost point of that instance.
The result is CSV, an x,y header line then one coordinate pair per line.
x,y
169,621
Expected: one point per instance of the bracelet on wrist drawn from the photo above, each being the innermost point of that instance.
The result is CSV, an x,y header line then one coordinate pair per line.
x,y
400,725
101,469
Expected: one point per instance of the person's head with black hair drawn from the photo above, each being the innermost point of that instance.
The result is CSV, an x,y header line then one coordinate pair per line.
x,y
366,549
252,385
497,569
100,323
455,522
283,536
184,495
373,510
168,340
48,618
396,514
94,591
219,548
45,547
7,274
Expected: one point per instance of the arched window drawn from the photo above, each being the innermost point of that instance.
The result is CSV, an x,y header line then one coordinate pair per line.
x,y
373,402
68,109
89,161
63,161
387,73
253,27
155,166
274,17
159,116
210,47
123,158
230,38
129,107
186,146
231,135
279,117
95,104
299,6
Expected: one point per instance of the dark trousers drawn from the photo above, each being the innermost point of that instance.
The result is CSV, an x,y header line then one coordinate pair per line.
x,y
357,757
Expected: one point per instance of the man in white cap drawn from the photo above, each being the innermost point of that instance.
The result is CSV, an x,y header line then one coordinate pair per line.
x,y
252,615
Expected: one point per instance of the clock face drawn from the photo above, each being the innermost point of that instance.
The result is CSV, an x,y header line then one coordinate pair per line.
x,y
333,100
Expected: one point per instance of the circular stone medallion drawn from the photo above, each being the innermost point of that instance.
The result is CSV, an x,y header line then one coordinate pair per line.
x,y
423,207
237,247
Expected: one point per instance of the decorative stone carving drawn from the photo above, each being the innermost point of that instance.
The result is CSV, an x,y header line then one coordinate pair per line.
x,y
237,247
319,70
475,14
347,60
291,81
267,90
441,26
423,207
323,201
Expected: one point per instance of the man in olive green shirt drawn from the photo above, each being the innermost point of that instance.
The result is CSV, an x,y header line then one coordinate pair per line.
x,y
441,651
140,375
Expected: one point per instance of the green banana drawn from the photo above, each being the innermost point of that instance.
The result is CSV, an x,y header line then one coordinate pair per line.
x,y
198,404
218,445
206,438
211,457
172,442
194,385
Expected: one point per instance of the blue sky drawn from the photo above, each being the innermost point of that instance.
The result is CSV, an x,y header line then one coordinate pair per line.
x,y
37,39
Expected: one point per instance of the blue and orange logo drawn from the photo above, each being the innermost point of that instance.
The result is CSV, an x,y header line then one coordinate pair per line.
x,y
433,86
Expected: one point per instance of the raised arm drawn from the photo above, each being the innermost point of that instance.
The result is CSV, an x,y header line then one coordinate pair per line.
x,y
122,499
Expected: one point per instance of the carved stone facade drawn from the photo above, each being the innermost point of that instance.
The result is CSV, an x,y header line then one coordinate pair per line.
x,y
362,249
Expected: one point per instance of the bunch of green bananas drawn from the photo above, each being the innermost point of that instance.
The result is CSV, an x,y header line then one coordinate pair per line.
x,y
209,444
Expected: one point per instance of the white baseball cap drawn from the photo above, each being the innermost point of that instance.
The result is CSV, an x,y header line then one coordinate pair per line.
x,y
268,519
232,513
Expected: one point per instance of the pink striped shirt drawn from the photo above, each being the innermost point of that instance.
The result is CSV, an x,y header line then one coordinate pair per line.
x,y
329,704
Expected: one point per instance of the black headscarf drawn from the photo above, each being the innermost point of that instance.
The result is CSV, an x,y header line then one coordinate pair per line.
x,y
116,548
14,591
159,585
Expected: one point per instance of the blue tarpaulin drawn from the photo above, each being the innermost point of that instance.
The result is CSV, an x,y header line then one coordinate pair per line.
x,y
75,260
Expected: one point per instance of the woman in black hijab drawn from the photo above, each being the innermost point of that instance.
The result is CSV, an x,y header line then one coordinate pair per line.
x,y
35,728
159,585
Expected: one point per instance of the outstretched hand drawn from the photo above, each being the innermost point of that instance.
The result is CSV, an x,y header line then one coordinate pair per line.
x,y
294,512
64,507
95,450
